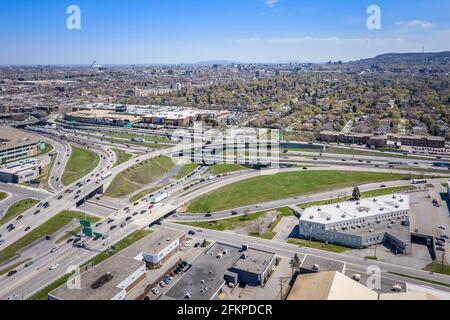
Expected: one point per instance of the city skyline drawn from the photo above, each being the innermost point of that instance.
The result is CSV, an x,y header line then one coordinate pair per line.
x,y
254,31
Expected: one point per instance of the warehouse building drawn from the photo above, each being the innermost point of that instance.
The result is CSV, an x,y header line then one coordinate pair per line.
x,y
21,171
252,268
16,144
360,224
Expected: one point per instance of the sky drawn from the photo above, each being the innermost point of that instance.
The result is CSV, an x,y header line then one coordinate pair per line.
x,y
189,31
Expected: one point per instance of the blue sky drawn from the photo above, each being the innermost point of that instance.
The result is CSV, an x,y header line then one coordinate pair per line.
x,y
184,31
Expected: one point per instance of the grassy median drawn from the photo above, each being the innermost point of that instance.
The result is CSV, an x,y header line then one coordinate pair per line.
x,y
122,156
186,169
3,196
138,176
48,228
18,208
284,185
81,163
226,168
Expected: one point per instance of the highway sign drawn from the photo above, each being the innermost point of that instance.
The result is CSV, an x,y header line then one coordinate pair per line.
x,y
85,223
87,232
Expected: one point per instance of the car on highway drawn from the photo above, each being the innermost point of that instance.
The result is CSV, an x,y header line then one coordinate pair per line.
x,y
110,221
383,186
128,218
208,215
37,212
2,242
143,211
11,228
123,225
11,273
99,224
20,217
234,212
54,250
191,232
28,264
112,227
27,229
54,266
60,197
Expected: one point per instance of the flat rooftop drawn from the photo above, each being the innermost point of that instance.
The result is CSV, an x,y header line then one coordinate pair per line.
x,y
256,262
19,167
104,114
325,264
349,210
206,276
120,269
13,138
154,243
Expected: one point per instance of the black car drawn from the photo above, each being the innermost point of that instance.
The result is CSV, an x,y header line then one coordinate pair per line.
x,y
19,218
112,228
208,215
60,197
48,237
76,240
11,229
128,218
37,212
234,212
12,272
191,233
197,245
27,229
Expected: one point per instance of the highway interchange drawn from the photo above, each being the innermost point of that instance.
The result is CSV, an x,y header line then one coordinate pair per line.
x,y
29,280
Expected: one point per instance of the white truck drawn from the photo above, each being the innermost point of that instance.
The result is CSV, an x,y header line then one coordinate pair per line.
x,y
104,176
158,198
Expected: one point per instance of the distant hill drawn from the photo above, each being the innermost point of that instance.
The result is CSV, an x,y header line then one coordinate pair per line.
x,y
407,58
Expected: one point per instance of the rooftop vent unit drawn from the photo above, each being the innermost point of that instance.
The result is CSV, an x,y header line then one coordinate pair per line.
x,y
319,209
244,247
401,200
381,209
244,255
397,206
328,218
394,196
343,216
311,217
338,206
374,200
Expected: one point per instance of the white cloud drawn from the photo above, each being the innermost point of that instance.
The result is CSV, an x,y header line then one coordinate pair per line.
x,y
271,3
421,24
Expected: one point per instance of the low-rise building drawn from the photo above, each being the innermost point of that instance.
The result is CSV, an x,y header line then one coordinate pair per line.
x,y
17,144
20,171
360,224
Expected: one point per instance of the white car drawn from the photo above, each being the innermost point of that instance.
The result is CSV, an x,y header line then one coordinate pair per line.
x,y
13,297
54,266
155,291
442,227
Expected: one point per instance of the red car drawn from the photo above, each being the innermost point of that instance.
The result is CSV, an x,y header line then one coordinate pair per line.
x,y
151,206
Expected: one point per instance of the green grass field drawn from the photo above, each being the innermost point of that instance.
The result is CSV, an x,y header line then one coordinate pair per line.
x,y
186,169
283,185
3,196
436,267
81,162
225,168
121,245
234,222
50,227
18,208
138,176
122,156
318,245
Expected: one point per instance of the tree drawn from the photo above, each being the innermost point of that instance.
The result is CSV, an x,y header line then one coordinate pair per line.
x,y
204,243
295,263
356,194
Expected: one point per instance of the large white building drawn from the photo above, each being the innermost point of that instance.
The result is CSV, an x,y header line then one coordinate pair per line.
x,y
20,171
359,224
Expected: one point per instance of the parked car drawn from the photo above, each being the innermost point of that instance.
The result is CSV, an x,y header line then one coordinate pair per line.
x,y
155,291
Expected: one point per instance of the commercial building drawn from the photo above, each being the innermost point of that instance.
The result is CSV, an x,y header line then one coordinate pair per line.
x,y
222,264
102,116
360,224
333,285
382,141
123,276
20,171
252,268
17,144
